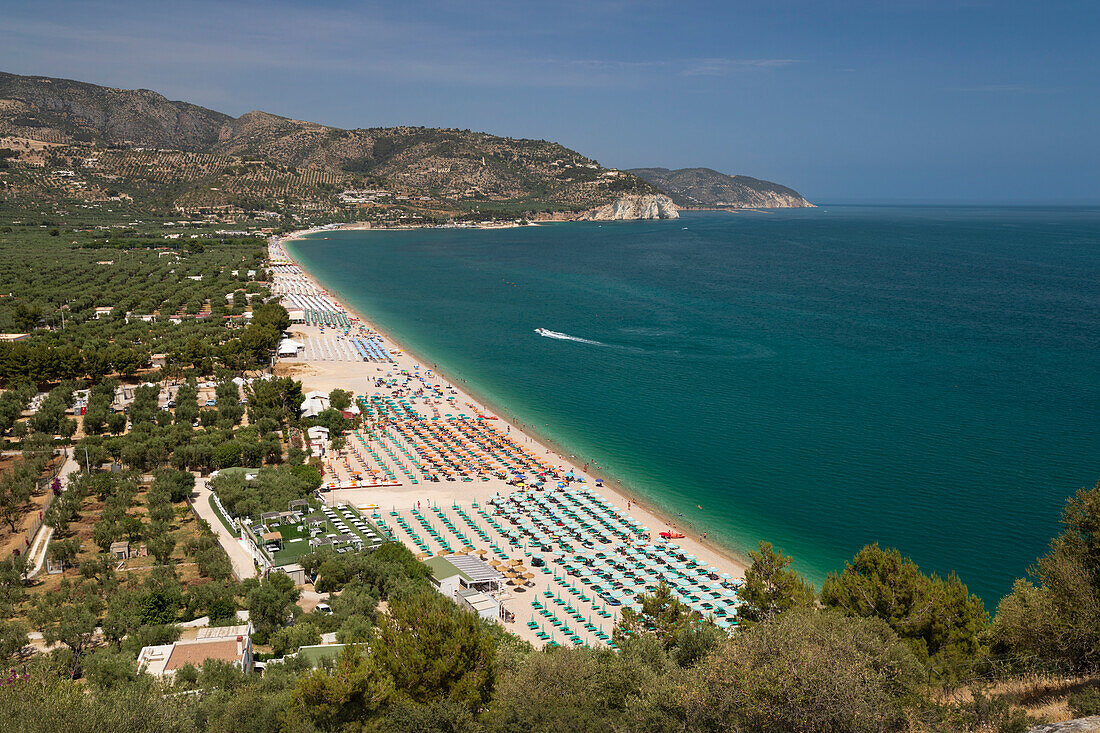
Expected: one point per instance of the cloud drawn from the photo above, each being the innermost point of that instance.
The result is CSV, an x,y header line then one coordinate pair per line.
x,y
724,66
215,46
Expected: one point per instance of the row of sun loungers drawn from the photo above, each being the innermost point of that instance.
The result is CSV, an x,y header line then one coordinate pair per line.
x,y
344,518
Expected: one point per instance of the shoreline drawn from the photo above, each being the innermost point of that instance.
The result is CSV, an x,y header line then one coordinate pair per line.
x,y
617,489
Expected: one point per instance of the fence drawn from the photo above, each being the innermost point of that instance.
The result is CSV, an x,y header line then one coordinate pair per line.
x,y
23,540
235,524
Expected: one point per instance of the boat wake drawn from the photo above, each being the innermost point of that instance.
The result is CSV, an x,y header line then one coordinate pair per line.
x,y
566,337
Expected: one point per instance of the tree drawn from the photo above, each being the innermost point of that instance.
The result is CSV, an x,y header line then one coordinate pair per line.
x,y
16,487
578,690
770,586
59,704
132,527
798,671
1056,616
289,638
11,583
101,569
124,615
339,399
160,543
26,317
13,640
65,551
270,603
177,485
432,648
110,669
116,423
662,615
68,615
355,690
939,618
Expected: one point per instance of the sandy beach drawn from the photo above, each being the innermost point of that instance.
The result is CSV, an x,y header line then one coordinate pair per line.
x,y
327,363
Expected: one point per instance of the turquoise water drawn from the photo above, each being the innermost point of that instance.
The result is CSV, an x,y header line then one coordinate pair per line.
x,y
927,378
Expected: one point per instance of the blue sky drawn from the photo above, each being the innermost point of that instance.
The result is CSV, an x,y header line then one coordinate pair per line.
x,y
866,100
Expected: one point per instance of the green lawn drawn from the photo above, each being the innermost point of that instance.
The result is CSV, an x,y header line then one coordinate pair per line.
x,y
295,538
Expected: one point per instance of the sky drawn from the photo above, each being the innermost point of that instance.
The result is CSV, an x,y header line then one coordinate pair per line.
x,y
869,101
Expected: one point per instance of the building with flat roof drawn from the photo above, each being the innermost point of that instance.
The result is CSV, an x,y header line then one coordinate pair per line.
x,y
224,643
480,603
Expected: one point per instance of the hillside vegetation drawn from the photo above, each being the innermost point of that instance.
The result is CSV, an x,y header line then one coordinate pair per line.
x,y
706,188
181,155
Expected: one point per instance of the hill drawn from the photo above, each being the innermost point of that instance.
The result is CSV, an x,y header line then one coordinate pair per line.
x,y
706,189
274,162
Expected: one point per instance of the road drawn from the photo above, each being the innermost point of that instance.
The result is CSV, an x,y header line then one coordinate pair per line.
x,y
243,566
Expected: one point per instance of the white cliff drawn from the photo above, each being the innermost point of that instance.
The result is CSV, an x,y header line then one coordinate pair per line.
x,y
635,206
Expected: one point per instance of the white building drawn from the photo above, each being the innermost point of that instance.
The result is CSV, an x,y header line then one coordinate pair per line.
x,y
290,347
224,643
314,404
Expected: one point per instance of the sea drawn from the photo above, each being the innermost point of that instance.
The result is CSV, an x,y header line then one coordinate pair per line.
x,y
927,378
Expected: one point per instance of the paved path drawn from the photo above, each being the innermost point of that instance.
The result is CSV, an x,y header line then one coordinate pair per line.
x,y
41,544
243,566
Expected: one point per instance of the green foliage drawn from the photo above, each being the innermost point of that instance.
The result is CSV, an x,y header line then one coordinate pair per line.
x,y
940,619
430,647
108,669
801,670
209,556
570,690
272,490
177,485
339,399
1056,617
981,713
288,639
771,587
69,615
57,705
13,640
11,584
270,603
1086,702
438,716
64,551
124,615
16,487
278,399
662,615
355,689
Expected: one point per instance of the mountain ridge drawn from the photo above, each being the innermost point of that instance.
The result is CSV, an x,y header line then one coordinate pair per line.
x,y
459,169
707,188
139,143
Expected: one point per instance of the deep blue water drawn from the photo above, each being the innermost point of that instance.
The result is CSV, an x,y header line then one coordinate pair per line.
x,y
927,378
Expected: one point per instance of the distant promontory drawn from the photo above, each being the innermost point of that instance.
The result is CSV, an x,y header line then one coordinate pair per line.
x,y
704,188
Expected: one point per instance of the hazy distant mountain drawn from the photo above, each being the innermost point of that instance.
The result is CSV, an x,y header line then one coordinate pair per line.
x,y
444,164
706,188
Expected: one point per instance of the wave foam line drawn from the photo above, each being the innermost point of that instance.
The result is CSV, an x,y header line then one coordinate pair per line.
x,y
566,337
